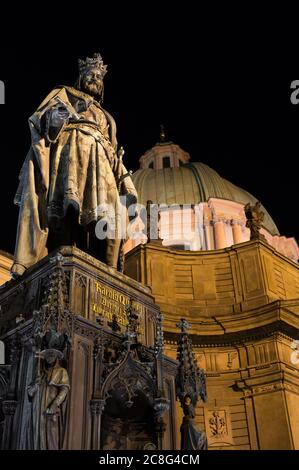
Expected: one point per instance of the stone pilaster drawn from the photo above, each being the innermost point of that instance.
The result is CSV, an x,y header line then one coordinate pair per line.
x,y
96,409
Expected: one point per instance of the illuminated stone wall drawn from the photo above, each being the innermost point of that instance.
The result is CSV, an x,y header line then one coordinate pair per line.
x,y
5,265
243,305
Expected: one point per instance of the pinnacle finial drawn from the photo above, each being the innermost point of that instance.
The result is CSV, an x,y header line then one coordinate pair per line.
x,y
183,325
162,133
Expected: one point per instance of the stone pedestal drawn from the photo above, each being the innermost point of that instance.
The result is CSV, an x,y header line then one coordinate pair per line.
x,y
116,370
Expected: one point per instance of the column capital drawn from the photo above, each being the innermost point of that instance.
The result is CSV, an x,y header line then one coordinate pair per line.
x,y
97,406
236,222
218,220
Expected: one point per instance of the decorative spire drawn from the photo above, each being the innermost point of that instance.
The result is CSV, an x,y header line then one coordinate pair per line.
x,y
54,319
56,295
190,386
159,341
190,380
162,133
183,325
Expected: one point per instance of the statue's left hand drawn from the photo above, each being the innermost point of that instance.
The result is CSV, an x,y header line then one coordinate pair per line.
x,y
59,116
53,409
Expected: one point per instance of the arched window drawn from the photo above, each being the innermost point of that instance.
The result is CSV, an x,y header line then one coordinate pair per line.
x,y
166,162
151,165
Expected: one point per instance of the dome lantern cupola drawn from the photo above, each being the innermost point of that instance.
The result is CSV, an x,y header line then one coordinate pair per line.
x,y
165,154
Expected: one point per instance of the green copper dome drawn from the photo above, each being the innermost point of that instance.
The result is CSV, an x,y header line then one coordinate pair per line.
x,y
191,183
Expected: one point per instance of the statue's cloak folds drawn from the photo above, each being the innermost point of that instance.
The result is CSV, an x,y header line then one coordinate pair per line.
x,y
74,168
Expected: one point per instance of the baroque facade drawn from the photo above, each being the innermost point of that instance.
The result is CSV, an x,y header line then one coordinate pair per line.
x,y
239,295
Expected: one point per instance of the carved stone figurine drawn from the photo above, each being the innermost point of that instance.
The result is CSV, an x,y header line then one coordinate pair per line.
x,y
255,218
48,395
192,437
190,386
72,176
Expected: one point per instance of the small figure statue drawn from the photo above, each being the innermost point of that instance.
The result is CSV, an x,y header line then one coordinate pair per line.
x,y
190,387
255,218
192,437
48,394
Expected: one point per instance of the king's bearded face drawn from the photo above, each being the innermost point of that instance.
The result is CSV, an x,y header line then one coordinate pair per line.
x,y
92,82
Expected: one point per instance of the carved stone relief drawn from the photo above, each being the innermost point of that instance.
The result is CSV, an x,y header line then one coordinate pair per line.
x,y
218,426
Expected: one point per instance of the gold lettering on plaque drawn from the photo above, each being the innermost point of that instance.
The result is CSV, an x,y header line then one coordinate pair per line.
x,y
111,302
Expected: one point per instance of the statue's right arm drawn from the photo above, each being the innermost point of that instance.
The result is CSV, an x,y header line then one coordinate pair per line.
x,y
58,116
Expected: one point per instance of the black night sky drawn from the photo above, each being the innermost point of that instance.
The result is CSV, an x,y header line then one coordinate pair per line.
x,y
221,90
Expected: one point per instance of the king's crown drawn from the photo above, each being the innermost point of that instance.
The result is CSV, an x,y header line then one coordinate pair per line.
x,y
92,62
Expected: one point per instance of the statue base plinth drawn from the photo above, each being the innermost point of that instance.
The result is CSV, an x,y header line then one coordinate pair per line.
x,y
115,379
95,292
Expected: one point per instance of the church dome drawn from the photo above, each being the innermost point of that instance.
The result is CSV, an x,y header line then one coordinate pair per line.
x,y
191,183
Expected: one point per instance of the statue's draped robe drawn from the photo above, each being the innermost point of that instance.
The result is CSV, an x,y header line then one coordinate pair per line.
x,y
73,168
46,431
192,438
